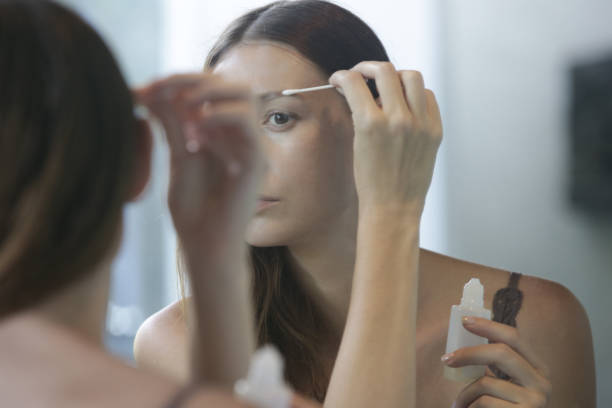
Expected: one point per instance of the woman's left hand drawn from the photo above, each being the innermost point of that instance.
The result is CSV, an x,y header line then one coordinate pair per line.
x,y
529,386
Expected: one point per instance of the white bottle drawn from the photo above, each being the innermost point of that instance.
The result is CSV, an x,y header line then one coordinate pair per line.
x,y
458,336
264,386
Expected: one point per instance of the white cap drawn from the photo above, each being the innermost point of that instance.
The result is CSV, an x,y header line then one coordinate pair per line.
x,y
473,294
264,386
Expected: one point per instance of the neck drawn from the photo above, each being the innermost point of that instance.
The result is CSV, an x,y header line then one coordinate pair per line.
x,y
82,306
325,266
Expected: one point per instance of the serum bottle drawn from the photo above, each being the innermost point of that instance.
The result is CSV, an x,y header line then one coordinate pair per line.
x,y
458,337
264,386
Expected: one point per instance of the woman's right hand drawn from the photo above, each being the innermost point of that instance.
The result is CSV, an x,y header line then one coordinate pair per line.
x,y
396,138
395,144
215,158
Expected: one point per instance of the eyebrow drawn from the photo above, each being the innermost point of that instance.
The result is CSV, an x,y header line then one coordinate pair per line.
x,y
268,96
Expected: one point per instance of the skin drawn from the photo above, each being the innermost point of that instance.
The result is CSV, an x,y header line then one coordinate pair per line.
x,y
318,187
70,368
216,167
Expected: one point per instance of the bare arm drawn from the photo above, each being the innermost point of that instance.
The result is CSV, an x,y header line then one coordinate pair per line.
x,y
376,361
215,170
222,339
395,147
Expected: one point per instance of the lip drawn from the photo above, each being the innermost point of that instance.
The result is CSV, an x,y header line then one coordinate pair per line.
x,y
265,202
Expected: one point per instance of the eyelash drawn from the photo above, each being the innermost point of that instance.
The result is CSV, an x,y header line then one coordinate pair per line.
x,y
291,117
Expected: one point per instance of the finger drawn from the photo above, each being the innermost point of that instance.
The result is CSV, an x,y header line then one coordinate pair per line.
x,y
502,333
213,144
225,149
159,99
486,401
433,109
187,129
230,135
232,113
182,80
195,139
414,91
165,114
489,386
215,93
388,84
357,94
167,88
500,355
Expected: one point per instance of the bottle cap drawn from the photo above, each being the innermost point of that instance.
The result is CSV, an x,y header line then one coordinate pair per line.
x,y
473,294
264,386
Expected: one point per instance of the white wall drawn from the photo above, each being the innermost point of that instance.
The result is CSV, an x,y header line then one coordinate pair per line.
x,y
506,75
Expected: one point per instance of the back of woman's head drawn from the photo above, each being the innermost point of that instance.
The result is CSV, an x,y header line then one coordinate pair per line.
x,y
333,39
67,139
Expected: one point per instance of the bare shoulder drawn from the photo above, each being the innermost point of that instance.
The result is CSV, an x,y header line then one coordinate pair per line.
x,y
553,317
551,321
550,312
161,343
554,320
551,304
68,370
542,299
554,323
454,273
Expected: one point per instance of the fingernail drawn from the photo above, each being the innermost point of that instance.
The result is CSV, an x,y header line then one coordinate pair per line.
x,y
454,404
446,358
192,146
468,320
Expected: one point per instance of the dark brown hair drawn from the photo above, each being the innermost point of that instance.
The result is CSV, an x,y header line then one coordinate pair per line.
x,y
333,38
67,140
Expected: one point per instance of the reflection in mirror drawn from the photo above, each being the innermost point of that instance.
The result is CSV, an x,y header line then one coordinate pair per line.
x,y
519,132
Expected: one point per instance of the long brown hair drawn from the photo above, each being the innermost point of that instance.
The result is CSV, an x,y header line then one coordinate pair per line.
x,y
333,38
66,147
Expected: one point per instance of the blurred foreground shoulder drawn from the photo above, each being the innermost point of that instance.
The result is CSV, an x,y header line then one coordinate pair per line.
x,y
162,343
213,399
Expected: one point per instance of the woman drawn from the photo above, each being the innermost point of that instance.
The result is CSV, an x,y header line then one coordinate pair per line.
x,y
73,154
316,262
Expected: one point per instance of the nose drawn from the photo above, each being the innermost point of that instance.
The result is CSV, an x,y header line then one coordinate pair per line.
x,y
271,152
269,148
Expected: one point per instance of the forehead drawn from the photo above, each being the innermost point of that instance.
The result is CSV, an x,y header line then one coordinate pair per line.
x,y
269,66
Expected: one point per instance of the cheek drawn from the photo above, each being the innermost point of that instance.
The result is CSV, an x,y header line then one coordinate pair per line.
x,y
318,164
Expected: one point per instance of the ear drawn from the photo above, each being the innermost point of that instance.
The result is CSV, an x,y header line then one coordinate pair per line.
x,y
142,160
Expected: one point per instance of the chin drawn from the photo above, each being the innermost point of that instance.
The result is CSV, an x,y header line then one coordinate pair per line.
x,y
262,233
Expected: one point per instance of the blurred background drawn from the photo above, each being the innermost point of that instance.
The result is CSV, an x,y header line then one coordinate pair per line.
x,y
521,183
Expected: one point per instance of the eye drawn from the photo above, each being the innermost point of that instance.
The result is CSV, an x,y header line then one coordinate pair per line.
x,y
279,121
279,118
